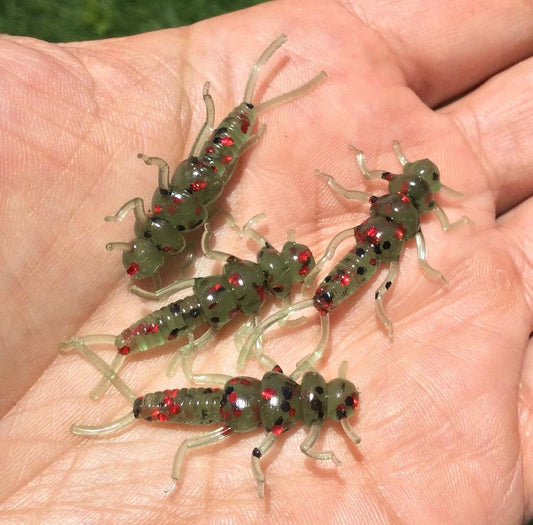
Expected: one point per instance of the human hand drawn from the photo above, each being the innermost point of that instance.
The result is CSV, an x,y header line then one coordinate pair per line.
x,y
445,415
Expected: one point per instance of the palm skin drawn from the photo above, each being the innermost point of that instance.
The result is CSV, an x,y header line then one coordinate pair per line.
x,y
446,406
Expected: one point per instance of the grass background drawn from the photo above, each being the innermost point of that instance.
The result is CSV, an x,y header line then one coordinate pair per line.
x,y
61,21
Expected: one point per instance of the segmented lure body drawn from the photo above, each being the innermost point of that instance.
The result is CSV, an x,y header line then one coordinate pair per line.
x,y
394,219
181,203
275,402
379,239
241,287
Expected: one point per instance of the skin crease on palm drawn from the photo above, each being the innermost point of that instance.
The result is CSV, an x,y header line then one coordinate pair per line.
x,y
446,406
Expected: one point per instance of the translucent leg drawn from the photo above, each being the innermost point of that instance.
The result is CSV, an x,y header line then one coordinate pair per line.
x,y
161,293
258,64
363,168
257,453
121,246
328,255
354,438
281,99
103,385
341,190
399,153
428,269
208,124
445,222
293,94
103,430
193,345
201,379
137,206
252,233
380,292
269,321
164,170
206,438
109,372
303,365
310,440
208,252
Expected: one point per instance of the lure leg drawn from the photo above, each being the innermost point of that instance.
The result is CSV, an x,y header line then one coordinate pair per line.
x,y
303,365
307,445
249,231
164,170
363,168
281,99
161,293
428,269
328,255
257,453
208,124
109,372
204,439
208,252
445,223
101,388
102,430
80,344
201,379
380,292
193,345
137,206
273,319
341,190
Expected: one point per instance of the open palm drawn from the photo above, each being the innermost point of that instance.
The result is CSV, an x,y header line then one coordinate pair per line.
x,y
445,414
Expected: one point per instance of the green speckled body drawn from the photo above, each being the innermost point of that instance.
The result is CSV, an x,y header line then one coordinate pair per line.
x,y
394,219
242,286
275,402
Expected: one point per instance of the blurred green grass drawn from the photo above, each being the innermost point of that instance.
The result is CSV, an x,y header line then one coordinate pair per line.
x,y
61,21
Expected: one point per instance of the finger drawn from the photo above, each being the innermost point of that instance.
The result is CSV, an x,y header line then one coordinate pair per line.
x,y
497,122
445,48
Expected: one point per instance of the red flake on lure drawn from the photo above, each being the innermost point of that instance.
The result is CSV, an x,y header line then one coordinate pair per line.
x,y
198,185
132,269
268,393
236,279
226,141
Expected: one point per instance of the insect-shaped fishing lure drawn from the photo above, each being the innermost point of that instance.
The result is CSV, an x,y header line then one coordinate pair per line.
x,y
181,204
380,239
242,404
241,287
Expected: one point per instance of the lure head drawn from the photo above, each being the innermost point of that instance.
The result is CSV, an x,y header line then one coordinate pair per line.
x,y
162,234
338,400
426,170
143,260
286,268
420,179
343,399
